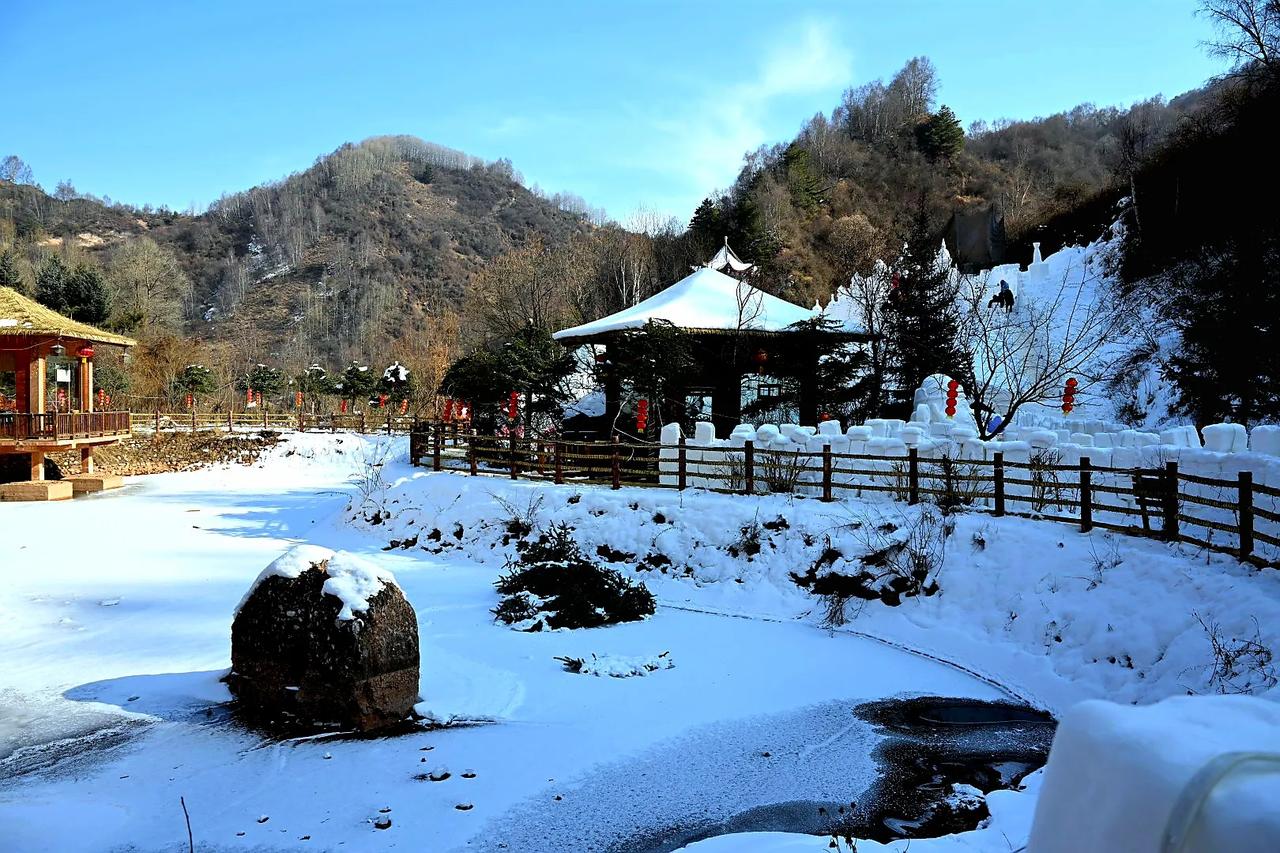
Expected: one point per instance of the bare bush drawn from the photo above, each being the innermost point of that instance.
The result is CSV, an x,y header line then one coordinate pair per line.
x,y
1240,665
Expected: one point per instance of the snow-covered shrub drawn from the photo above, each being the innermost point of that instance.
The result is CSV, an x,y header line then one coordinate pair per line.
x,y
959,481
1239,665
900,562
617,666
371,485
552,584
779,471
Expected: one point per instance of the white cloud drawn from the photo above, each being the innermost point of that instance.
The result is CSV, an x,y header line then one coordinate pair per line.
x,y
706,142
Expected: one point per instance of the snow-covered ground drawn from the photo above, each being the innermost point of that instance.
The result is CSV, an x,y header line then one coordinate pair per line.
x,y
115,619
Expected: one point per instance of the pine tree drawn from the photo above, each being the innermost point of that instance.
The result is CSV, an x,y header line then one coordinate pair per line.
x,y
10,276
264,380
940,135
51,284
85,295
923,326
358,383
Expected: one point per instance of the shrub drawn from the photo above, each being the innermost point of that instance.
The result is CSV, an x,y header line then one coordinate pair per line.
x,y
553,585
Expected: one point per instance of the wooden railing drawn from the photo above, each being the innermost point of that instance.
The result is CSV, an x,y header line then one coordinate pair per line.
x,y
1232,516
62,426
367,422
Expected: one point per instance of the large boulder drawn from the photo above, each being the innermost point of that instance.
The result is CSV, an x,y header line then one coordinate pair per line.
x,y
325,639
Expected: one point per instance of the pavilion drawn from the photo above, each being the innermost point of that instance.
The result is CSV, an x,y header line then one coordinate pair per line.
x,y
732,324
37,416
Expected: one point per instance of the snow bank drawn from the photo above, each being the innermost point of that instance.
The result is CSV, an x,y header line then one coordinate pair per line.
x,y
1116,776
351,579
1055,615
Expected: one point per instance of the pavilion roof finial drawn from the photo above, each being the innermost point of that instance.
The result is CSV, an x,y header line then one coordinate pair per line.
x,y
727,258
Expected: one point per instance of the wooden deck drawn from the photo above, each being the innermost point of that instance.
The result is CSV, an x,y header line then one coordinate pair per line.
x,y
23,431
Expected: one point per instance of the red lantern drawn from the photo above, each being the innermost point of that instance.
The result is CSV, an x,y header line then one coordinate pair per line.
x,y
825,416
953,391
102,398
642,415
513,405
248,400
342,407
404,405
382,401
448,409
1069,395
85,351
297,399
760,357
191,401
258,396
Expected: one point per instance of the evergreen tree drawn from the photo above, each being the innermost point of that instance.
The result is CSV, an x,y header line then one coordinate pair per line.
x,y
940,136
652,363
10,276
195,379
396,383
358,383
922,326
264,380
539,369
51,284
85,295
480,378
802,178
809,354
1227,363
707,228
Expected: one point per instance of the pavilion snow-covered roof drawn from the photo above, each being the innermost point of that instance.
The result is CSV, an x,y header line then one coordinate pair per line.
x,y
703,301
21,315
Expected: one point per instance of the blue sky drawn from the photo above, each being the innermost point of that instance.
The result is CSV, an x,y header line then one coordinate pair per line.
x,y
629,104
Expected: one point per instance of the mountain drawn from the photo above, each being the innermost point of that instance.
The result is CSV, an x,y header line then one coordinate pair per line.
x,y
328,264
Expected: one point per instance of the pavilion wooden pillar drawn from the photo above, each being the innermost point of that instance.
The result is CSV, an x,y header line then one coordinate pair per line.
x,y
86,384
86,459
36,382
37,465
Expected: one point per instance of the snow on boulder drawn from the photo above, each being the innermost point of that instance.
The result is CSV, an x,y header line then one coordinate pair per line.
x,y
1125,777
325,639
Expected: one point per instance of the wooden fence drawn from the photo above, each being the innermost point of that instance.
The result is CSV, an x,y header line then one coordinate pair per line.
x,y
1231,516
366,422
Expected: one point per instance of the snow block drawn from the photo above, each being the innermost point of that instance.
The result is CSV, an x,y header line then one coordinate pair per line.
x,y
671,433
704,432
912,433
1083,439
1118,777
1265,439
324,639
829,428
859,433
1225,438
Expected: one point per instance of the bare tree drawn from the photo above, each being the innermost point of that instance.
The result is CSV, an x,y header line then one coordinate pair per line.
x,y
1249,30
1026,356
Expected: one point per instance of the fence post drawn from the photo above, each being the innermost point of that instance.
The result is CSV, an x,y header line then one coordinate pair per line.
x,y
362,421
515,468
615,463
471,453
1086,495
557,462
681,466
231,427
913,475
157,433
749,462
826,472
998,471
264,415
1171,501
301,425
1246,514
435,447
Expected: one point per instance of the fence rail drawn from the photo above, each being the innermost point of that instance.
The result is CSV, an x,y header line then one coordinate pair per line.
x,y
62,426
1157,502
366,422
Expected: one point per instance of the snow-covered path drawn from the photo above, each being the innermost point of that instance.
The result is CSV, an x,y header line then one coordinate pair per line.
x,y
134,614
